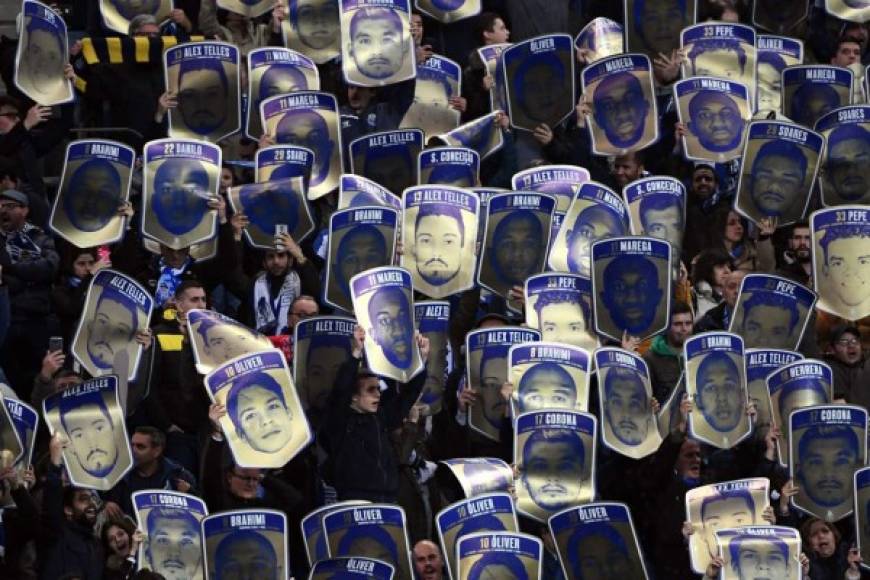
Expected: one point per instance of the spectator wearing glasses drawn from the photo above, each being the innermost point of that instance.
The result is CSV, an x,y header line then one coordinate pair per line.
x,y
851,371
302,308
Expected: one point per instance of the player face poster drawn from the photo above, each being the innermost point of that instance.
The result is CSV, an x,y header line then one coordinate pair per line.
x,y
215,339
554,453
480,475
560,306
25,420
631,286
715,113
116,308
355,191
845,177
11,446
433,320
597,540
172,523
498,555
384,307
264,425
483,135
360,239
754,552
771,312
851,10
549,376
350,568
376,44
492,512
561,181
273,206
448,11
205,77
320,346
90,417
779,168
439,231
95,182
624,113
657,208
827,444
720,50
312,530
811,91
516,239
841,260
277,162
375,531
774,54
312,28
596,213
716,385
486,352
862,505
797,385
275,71
653,26
246,544
247,8
180,177
308,119
41,55
438,79
539,77
491,57
624,390
722,505
455,166
760,362
779,17
603,37
388,158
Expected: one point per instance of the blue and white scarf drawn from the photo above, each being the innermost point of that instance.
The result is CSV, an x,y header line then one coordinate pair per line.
x,y
170,279
20,247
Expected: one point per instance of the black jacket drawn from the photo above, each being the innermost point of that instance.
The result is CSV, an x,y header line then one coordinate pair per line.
x,y
30,277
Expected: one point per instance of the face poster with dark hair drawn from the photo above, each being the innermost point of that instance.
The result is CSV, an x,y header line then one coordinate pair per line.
x,y
862,510
320,346
851,10
12,447
247,8
116,308
720,50
486,352
41,55
438,79
308,119
448,11
631,286
388,158
774,53
312,530
360,239
383,301
765,551
375,531
273,207
482,135
215,339
350,568
716,385
492,512
602,37
657,209
503,555
433,320
554,454
90,417
539,78
561,181
205,77
246,543
811,91
516,239
797,385
760,362
275,71
845,175
771,312
439,231
715,113
728,504
779,168
560,306
312,28
779,17
490,55
624,114
376,44
179,178
277,162
355,191
653,26
629,425
596,213
95,182
455,166
117,14
25,420
264,426
597,538
841,260
547,376
172,523
479,475
827,443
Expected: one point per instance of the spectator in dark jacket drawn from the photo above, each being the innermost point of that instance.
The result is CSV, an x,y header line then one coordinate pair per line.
x,y
851,369
665,355
719,317
831,556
